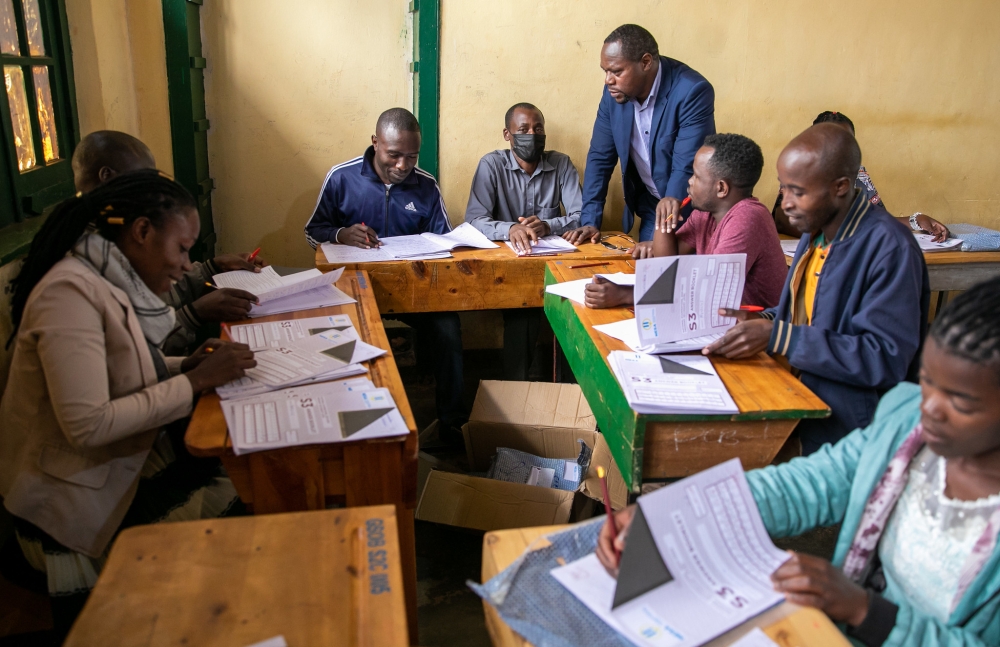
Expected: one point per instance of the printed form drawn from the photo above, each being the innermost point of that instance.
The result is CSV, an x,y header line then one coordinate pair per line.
x,y
718,557
267,285
259,336
679,297
322,413
680,384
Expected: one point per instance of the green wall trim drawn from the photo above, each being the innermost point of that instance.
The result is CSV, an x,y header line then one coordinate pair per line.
x,y
16,239
426,70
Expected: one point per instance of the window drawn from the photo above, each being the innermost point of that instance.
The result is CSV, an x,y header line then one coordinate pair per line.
x,y
38,125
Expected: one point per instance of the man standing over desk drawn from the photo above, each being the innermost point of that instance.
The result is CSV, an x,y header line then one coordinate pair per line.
x,y
853,312
383,193
652,119
516,195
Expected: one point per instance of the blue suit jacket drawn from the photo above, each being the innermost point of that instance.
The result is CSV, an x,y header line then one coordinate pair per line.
x,y
683,116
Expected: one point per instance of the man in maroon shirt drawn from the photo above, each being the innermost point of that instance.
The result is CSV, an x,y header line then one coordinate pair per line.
x,y
727,219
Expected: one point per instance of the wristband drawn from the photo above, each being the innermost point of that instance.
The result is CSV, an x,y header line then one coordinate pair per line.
x,y
336,236
913,222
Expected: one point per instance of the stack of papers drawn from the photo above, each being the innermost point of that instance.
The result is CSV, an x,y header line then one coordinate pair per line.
x,y
927,244
546,246
279,294
789,247
296,352
322,413
415,247
697,563
626,331
683,384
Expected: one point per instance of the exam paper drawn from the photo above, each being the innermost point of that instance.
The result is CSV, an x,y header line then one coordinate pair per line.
x,y
619,278
625,330
681,384
350,254
546,246
465,235
268,286
788,247
679,297
322,297
717,555
340,345
405,247
569,289
321,413
927,244
247,386
259,336
282,366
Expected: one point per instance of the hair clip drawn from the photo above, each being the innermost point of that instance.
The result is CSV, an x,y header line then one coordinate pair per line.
x,y
116,221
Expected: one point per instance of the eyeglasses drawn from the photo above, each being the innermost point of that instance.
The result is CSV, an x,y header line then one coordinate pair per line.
x,y
604,242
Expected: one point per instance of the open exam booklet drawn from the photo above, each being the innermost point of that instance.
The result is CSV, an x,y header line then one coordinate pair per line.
x,y
413,247
697,563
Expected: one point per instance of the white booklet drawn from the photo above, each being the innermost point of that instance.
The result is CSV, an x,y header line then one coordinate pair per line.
x,y
259,336
247,386
788,247
697,563
680,384
546,246
678,297
321,413
268,285
287,365
625,330
341,345
322,297
927,244
413,247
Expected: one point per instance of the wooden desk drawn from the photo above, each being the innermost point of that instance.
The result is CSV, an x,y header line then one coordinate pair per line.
x,y
317,578
367,472
787,623
949,271
771,401
474,279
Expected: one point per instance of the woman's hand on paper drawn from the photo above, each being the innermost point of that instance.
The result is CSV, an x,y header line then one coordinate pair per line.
x,y
224,304
602,293
225,362
609,545
814,582
748,337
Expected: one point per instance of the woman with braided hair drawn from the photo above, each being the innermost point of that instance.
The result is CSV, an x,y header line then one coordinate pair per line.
x,y
917,494
86,442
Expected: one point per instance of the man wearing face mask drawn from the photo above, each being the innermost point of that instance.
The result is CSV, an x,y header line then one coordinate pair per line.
x,y
521,194
652,119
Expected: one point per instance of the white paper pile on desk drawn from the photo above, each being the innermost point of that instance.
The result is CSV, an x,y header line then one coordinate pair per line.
x,y
680,384
321,413
574,290
626,331
279,294
545,246
697,563
788,247
927,244
299,351
416,247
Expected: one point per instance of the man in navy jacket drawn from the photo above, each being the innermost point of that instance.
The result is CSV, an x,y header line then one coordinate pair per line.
x,y
383,193
861,331
653,117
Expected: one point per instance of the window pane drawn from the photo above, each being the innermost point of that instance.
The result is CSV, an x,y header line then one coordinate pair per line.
x,y
20,119
8,28
46,116
33,26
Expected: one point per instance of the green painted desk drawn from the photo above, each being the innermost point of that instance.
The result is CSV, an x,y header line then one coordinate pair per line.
x,y
771,401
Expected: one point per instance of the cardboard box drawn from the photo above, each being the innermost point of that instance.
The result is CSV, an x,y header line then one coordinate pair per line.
x,y
537,417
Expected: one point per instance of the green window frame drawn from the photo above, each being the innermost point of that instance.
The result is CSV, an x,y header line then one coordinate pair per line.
x,y
35,169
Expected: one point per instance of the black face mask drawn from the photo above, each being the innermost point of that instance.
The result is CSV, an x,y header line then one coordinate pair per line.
x,y
528,147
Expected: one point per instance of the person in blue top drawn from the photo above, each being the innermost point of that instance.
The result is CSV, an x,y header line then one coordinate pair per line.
x,y
380,194
917,494
853,310
653,117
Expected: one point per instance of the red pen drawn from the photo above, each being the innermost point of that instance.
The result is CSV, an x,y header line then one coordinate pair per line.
x,y
752,308
607,507
685,202
254,255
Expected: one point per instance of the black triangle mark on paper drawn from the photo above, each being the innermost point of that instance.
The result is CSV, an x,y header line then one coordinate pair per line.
x,y
316,331
662,289
641,568
344,352
351,422
670,366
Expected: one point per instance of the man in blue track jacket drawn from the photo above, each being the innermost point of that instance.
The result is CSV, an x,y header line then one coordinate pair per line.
x,y
381,194
653,117
853,312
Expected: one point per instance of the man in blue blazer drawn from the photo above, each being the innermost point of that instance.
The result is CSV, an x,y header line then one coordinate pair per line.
x,y
653,118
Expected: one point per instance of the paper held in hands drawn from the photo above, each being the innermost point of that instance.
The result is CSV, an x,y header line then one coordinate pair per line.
x,y
697,563
546,246
679,297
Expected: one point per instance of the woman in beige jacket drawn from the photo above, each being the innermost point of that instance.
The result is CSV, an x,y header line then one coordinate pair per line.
x,y
86,446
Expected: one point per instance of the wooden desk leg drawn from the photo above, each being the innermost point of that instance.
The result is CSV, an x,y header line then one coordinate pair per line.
x,y
373,475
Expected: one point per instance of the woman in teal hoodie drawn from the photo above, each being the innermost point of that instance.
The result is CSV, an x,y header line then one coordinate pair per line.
x,y
917,494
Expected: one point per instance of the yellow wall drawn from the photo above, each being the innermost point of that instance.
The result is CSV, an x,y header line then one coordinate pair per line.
x,y
291,90
920,79
119,64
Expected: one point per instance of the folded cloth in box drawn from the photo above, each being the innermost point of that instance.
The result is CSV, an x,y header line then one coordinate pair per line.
x,y
516,466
